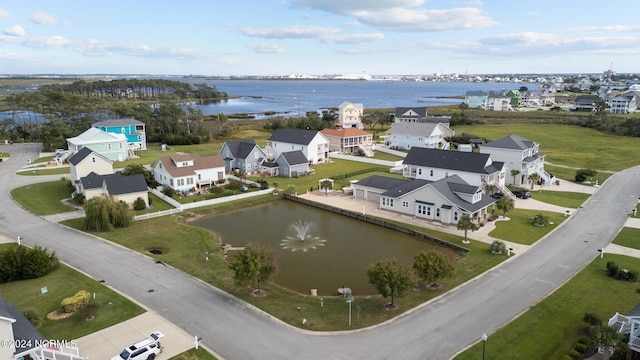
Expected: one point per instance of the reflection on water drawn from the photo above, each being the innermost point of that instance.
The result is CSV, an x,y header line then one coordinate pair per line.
x,y
349,245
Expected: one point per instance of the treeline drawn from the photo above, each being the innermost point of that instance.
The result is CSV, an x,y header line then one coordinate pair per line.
x,y
138,89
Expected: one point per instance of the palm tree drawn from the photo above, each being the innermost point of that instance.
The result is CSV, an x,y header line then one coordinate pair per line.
x,y
489,188
466,223
505,204
533,178
514,173
608,338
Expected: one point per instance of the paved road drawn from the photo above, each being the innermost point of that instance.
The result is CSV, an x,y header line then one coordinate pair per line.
x,y
235,330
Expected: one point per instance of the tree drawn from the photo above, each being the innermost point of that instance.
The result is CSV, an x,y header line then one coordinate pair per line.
x,y
390,279
540,220
505,204
103,214
255,264
21,262
326,185
533,178
608,338
498,247
489,188
432,266
135,169
514,173
466,223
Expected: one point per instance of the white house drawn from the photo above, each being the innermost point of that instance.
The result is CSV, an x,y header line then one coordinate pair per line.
x,y
188,171
110,145
350,115
476,169
87,161
312,143
498,102
405,135
349,140
521,155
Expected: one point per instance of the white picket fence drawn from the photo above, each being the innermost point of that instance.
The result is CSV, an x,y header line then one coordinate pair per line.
x,y
363,159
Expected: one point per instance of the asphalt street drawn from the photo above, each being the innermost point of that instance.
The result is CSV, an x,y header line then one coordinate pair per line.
x,y
236,330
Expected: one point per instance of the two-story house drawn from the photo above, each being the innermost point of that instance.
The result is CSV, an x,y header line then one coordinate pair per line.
x,y
110,145
623,104
349,140
132,129
520,154
475,99
87,161
476,169
444,200
406,135
585,103
312,143
498,102
350,115
188,171
242,155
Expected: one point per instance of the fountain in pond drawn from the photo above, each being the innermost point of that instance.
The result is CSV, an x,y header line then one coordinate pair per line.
x,y
301,240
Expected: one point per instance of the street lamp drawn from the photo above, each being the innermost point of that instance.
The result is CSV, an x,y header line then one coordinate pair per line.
x,y
484,344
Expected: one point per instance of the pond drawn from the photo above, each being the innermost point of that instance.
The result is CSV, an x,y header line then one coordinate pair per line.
x,y
316,249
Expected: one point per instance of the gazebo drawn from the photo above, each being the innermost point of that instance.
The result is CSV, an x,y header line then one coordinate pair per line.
x,y
321,181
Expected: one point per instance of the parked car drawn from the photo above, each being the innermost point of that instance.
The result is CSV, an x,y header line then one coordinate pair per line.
x,y
497,195
146,349
522,194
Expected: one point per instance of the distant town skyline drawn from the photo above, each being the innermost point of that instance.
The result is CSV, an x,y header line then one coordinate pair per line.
x,y
314,37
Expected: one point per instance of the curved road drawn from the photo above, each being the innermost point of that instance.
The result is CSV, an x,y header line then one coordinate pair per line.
x,y
236,330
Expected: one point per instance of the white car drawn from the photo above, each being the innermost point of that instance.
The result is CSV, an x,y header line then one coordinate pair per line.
x,y
146,349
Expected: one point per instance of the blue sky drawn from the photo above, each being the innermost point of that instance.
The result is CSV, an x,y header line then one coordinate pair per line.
x,y
283,37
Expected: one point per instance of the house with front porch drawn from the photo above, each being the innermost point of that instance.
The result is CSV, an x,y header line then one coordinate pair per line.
x,y
627,325
498,102
292,164
87,161
132,129
112,146
187,172
515,96
476,169
127,189
521,155
312,143
585,103
476,99
349,140
444,200
242,155
406,135
350,115
623,103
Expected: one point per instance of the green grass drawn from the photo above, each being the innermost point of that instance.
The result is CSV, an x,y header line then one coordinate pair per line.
x,y
520,230
550,328
44,171
571,200
569,145
568,174
385,156
157,203
628,237
110,308
193,354
44,198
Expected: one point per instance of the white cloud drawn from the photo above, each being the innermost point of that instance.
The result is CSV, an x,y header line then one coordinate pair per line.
x,y
348,7
415,20
291,32
353,39
4,14
266,48
15,30
43,18
603,29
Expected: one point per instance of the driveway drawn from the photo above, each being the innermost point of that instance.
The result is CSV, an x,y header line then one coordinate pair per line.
x,y
236,330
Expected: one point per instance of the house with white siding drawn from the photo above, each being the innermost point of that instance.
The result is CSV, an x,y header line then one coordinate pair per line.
x,y
350,115
187,172
406,135
312,143
110,145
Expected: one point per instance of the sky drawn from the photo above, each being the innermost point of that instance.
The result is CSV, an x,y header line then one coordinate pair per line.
x,y
317,37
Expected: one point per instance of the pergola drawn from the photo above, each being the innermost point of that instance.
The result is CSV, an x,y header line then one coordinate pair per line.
x,y
323,180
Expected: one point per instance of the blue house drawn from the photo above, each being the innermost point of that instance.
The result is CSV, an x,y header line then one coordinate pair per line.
x,y
292,164
243,155
133,129
475,99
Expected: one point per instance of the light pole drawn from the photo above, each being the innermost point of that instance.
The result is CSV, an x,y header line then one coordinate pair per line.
x,y
484,344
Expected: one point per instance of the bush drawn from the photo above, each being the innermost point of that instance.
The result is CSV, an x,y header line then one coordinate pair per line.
x,y
233,185
592,319
498,247
612,268
574,354
585,340
581,348
21,262
139,204
33,317
168,191
583,174
263,184
216,190
566,357
76,302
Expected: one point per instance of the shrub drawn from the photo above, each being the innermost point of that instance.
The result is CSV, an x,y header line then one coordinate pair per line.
x,y
233,185
498,247
540,220
216,190
263,184
76,302
574,354
585,340
33,317
581,348
139,204
168,191
592,319
583,174
566,357
21,262
612,268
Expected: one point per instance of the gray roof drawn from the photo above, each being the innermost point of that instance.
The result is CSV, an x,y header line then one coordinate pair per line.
x,y
405,188
413,128
293,136
381,182
82,154
241,149
452,160
22,328
118,122
295,157
586,99
513,142
421,111
453,185
116,183
91,181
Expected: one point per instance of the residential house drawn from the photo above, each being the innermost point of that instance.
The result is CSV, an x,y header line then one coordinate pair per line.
x,y
627,325
624,103
475,99
585,103
312,143
350,115
127,189
406,135
547,97
187,172
242,155
519,154
476,169
498,102
292,164
133,129
112,146
349,140
87,161
444,200
515,96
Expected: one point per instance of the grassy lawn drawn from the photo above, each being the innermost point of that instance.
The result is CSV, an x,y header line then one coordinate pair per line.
x,y
44,198
568,174
110,308
520,230
186,255
384,156
629,237
561,198
194,354
157,203
44,171
550,328
566,144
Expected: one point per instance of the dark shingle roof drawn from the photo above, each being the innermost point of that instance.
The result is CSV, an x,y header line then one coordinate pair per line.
x,y
294,157
514,142
293,136
116,183
421,111
405,188
241,149
586,99
381,182
452,160
22,328
91,181
452,185
83,154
